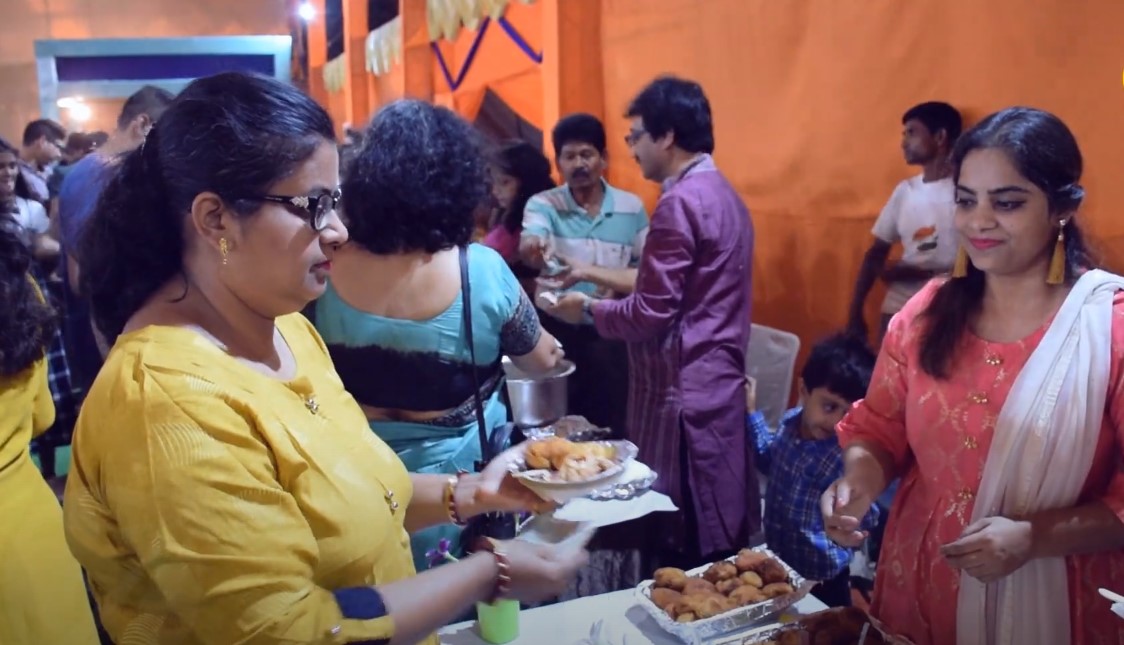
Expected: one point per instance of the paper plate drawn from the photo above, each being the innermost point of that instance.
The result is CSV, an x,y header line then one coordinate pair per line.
x,y
545,484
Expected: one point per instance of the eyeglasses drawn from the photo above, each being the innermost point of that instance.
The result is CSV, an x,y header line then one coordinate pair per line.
x,y
633,136
315,207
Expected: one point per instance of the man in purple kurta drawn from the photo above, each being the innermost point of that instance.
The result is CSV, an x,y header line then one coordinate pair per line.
x,y
687,326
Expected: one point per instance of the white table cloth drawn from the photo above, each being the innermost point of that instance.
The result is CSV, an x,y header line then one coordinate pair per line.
x,y
569,623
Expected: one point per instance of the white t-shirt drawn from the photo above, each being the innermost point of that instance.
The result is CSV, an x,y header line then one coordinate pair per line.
x,y
32,220
919,215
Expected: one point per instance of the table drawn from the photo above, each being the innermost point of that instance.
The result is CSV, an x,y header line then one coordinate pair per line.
x,y
569,622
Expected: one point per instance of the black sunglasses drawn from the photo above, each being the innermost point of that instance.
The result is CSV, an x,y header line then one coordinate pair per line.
x,y
315,207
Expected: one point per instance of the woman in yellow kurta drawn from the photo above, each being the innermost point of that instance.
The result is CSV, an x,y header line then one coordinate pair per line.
x,y
225,488
42,599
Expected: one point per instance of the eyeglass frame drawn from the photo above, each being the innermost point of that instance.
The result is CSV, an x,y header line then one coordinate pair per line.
x,y
317,219
634,136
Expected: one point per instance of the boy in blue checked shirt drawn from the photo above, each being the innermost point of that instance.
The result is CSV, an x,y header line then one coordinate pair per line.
x,y
802,458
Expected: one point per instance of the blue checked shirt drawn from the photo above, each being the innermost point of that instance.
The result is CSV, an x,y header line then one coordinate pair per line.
x,y
799,471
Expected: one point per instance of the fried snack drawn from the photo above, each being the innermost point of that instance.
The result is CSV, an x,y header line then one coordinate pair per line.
x,y
791,637
724,587
711,606
698,585
749,560
772,571
752,578
572,461
721,571
576,469
540,454
776,589
665,598
687,617
670,578
747,595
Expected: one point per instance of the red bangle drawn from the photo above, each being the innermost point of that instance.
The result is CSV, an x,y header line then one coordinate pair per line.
x,y
451,499
503,567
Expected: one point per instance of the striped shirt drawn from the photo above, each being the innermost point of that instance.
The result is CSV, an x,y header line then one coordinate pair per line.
x,y
614,238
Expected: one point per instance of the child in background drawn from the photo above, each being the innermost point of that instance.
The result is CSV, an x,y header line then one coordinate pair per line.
x,y
802,458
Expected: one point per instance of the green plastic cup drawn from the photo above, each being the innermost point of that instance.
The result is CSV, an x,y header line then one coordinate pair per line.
x,y
498,621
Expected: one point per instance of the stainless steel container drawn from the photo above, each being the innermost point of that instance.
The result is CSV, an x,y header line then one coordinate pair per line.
x,y
537,400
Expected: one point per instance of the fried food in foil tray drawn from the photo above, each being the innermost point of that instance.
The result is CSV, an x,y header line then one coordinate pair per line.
x,y
730,595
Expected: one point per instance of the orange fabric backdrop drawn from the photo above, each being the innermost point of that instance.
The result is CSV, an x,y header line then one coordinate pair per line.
x,y
807,99
499,65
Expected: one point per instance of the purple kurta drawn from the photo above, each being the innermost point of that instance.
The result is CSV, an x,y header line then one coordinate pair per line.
x,y
687,326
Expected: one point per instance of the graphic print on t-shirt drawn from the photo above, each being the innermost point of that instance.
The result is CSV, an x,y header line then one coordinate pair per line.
x,y
926,238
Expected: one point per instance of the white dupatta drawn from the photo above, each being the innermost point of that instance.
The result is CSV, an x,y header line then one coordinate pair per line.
x,y
1039,459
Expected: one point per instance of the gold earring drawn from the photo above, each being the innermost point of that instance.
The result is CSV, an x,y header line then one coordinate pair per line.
x,y
224,249
1056,274
960,267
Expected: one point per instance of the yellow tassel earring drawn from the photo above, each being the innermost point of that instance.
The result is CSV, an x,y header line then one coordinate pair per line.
x,y
224,249
1056,274
960,267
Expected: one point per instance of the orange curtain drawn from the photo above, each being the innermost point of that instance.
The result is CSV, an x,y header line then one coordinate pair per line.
x,y
498,65
808,96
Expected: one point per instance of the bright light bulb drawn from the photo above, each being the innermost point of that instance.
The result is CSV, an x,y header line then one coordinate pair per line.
x,y
80,112
68,102
306,12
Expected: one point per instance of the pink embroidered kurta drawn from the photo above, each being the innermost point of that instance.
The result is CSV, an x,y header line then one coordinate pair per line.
x,y
687,327
939,434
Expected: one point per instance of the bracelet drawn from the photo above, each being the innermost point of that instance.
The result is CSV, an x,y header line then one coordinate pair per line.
x,y
503,567
450,499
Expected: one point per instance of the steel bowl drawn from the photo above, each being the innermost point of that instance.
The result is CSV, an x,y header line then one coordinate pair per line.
x,y
537,399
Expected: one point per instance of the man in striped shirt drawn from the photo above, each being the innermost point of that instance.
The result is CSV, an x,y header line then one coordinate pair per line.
x,y
596,233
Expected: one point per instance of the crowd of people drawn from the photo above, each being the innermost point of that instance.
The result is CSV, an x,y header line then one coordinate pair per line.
x,y
288,354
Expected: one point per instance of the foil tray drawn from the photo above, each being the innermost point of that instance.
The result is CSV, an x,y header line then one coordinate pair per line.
x,y
739,619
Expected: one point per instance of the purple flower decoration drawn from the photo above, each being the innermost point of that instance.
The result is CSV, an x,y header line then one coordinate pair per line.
x,y
440,555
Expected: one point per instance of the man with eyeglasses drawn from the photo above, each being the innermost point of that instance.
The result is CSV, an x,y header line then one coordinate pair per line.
x,y
687,327
43,140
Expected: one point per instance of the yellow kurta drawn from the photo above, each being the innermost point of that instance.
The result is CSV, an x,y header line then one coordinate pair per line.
x,y
42,599
210,503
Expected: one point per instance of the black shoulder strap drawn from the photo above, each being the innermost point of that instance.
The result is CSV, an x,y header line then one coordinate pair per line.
x,y
466,305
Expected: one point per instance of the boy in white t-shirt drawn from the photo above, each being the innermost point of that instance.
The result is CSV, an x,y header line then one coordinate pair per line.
x,y
918,215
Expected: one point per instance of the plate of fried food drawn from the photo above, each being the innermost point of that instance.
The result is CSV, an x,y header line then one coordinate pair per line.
x,y
721,597
558,469
840,626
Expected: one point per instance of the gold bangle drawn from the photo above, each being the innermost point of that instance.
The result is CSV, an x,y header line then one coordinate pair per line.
x,y
450,500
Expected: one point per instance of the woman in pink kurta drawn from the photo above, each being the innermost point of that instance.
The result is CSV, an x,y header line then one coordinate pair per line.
x,y
936,431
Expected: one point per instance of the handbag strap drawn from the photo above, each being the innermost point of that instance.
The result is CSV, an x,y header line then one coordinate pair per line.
x,y
466,305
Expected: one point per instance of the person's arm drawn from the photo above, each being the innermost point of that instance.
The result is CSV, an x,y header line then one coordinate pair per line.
x,y
1097,525
230,550
45,248
72,274
762,439
1089,528
43,413
522,338
654,305
872,265
885,231
535,239
620,281
873,436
